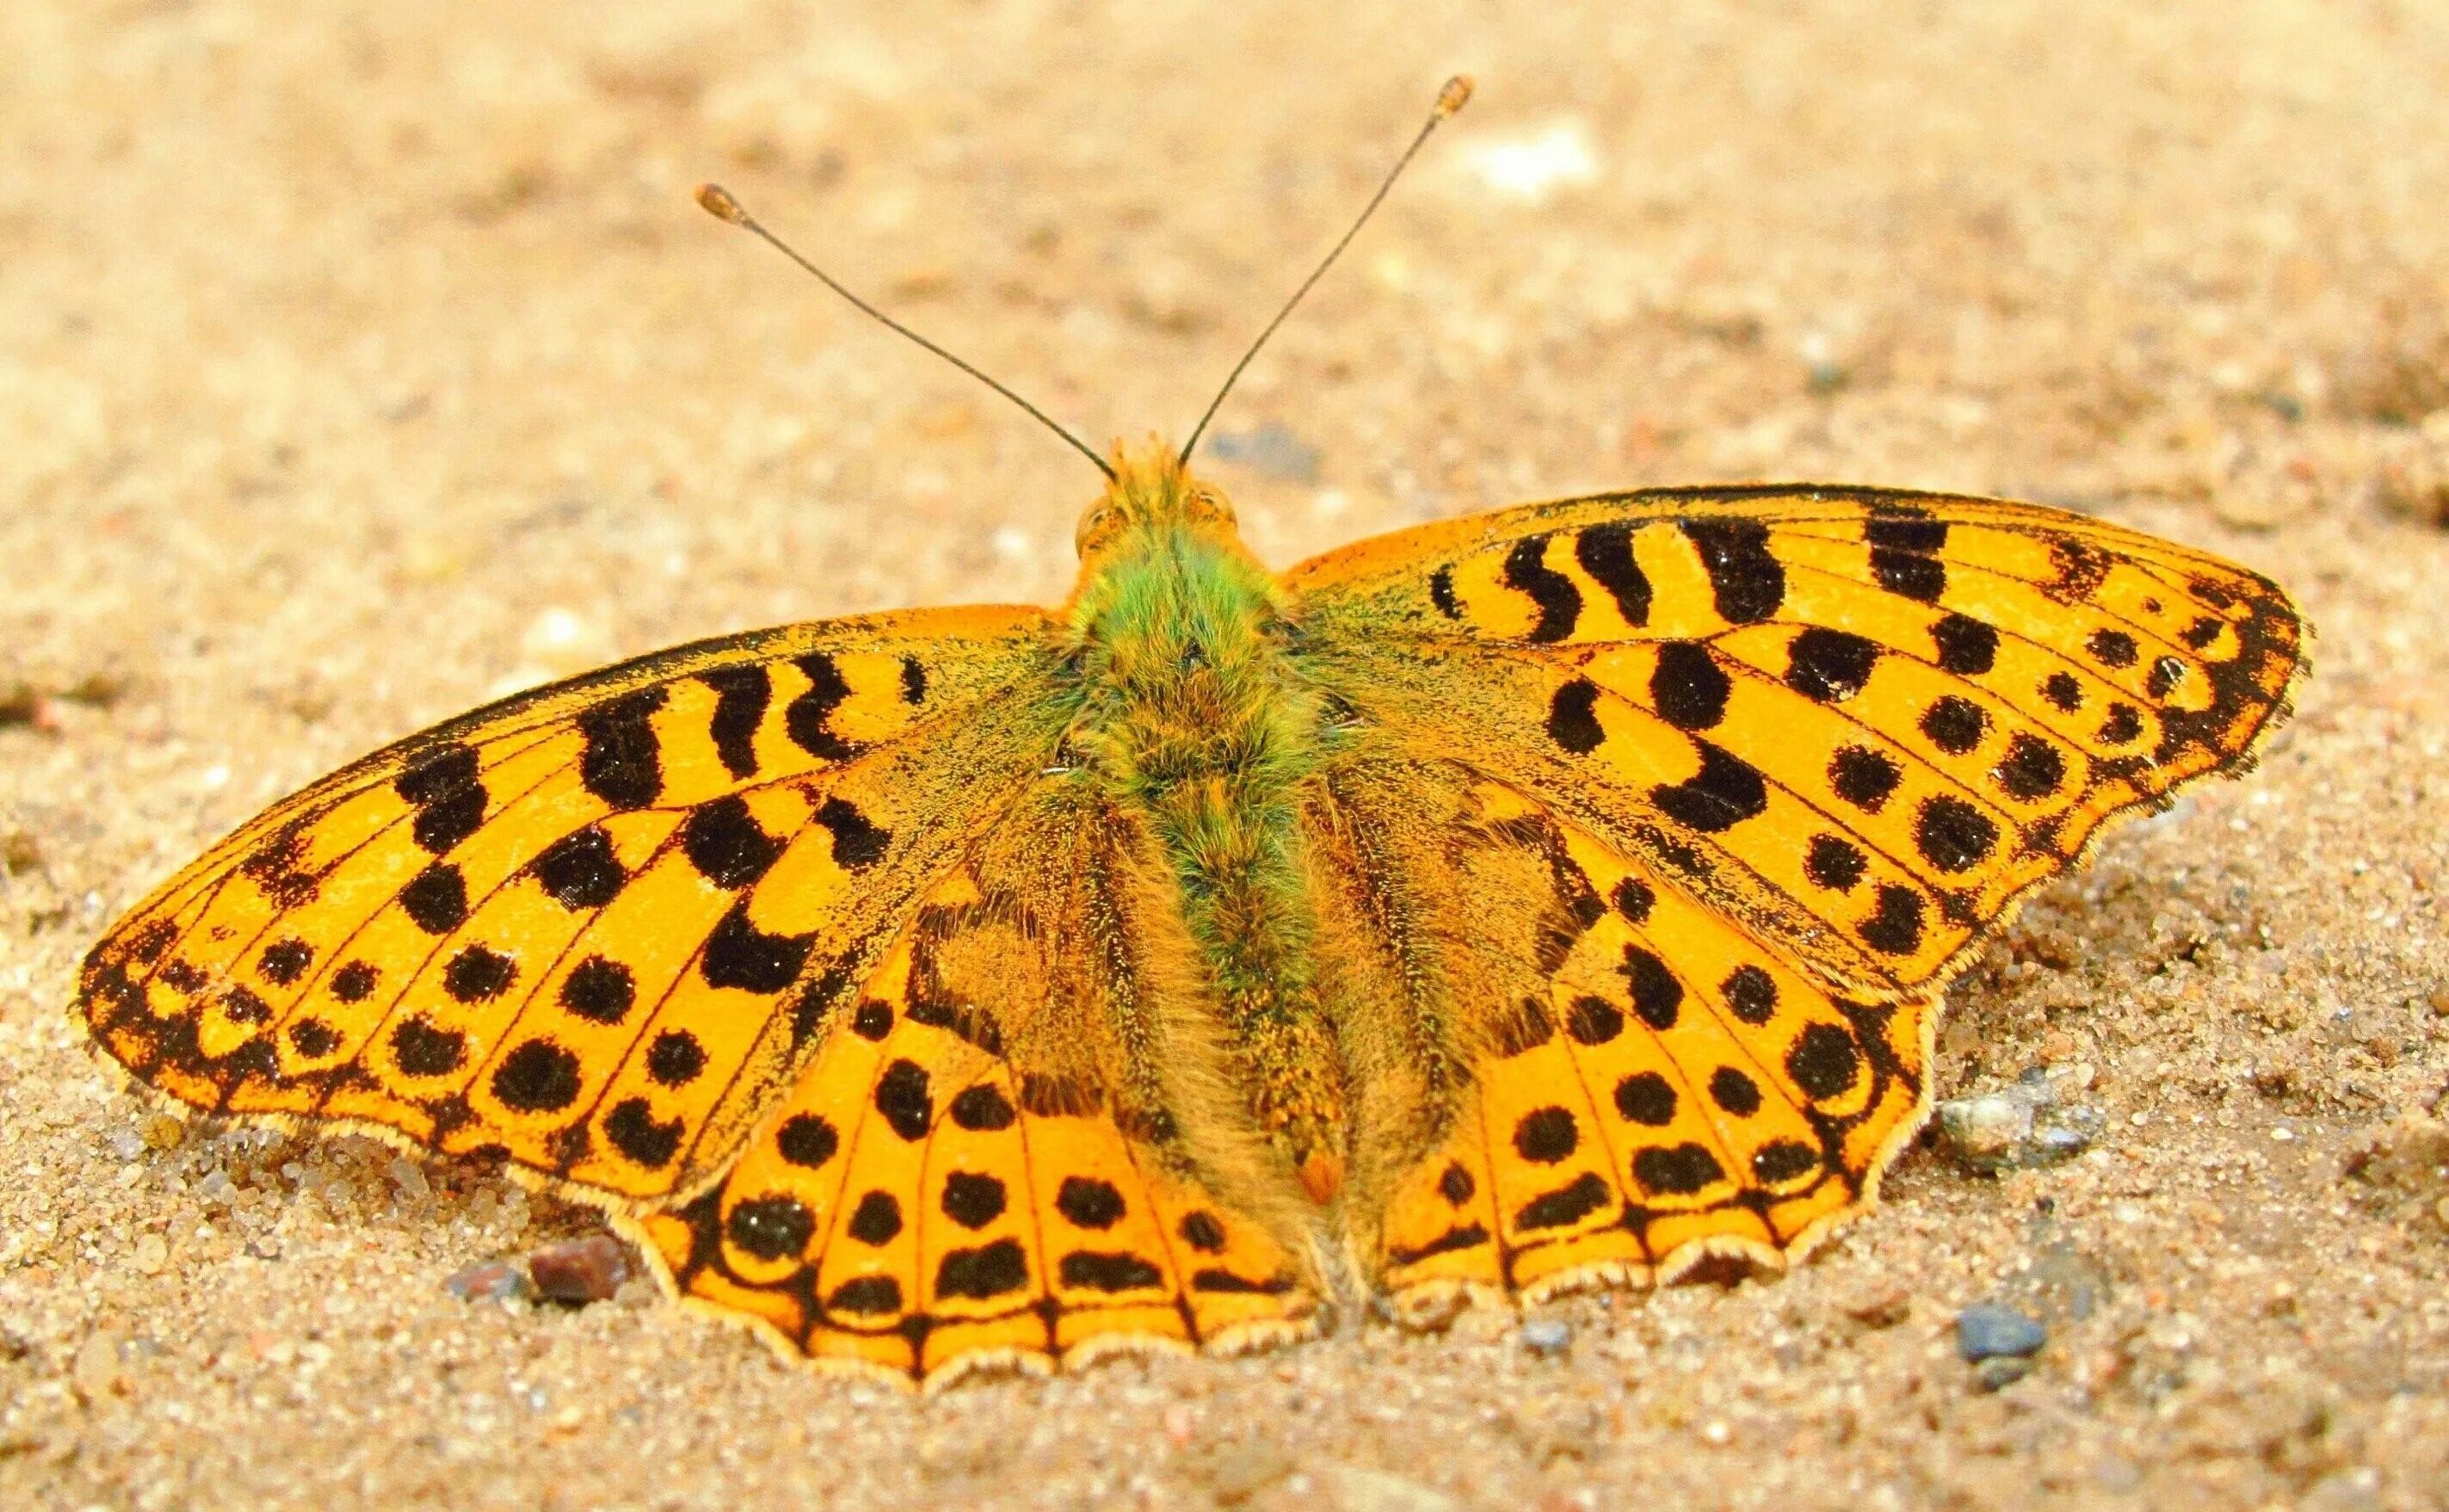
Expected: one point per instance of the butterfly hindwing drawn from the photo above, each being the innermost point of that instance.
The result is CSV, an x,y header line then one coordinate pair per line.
x,y
1859,722
965,1174
585,928
1646,1082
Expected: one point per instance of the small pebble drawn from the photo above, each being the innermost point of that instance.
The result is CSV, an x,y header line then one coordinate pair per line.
x,y
486,1280
409,1177
162,1131
95,1371
1547,1336
2021,1127
2001,1371
1990,1330
1242,1470
1361,1490
580,1271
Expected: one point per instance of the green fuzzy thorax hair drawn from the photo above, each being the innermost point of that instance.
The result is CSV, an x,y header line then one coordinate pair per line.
x,y
1176,635
1192,713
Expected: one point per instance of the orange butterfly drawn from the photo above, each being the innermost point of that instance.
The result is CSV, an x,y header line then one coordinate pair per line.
x,y
1539,899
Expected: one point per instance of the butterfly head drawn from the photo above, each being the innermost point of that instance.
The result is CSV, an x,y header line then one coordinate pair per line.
x,y
1152,492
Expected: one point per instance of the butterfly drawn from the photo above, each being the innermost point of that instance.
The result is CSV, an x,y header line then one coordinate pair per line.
x,y
1547,898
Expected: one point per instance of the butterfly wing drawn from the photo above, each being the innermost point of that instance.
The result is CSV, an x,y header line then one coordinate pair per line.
x,y
1747,770
1608,1080
1859,722
591,928
986,1168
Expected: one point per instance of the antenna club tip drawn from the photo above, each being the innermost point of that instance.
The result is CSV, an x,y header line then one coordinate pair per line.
x,y
1454,95
716,201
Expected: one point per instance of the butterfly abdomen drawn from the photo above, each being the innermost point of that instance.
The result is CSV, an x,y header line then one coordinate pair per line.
x,y
1193,721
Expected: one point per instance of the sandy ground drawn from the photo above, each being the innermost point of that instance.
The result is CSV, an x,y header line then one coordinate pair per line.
x,y
360,361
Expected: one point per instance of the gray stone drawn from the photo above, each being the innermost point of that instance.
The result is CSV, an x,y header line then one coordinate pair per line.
x,y
1548,1336
1990,1330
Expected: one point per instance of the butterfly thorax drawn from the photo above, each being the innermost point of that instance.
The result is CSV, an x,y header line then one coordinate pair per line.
x,y
1193,718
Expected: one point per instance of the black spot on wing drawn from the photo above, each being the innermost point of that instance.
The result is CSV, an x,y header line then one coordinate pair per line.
x,y
2081,569
2112,648
1967,646
1907,574
1605,551
675,1059
1830,665
621,762
1657,995
449,798
1823,1061
807,1140
579,870
1952,835
537,1077
983,1108
1573,719
774,1228
1676,1170
1633,899
871,1296
1552,592
420,1049
285,960
634,1131
1834,862
913,680
858,842
806,719
1646,1098
742,694
1746,580
478,974
599,991
1587,1195
1688,686
1895,926
1750,993
1441,592
1905,528
1724,792
877,1219
990,1270
738,953
1955,725
726,845
903,1098
1108,1271
436,899
973,1199
1090,1203
1546,1135
2032,769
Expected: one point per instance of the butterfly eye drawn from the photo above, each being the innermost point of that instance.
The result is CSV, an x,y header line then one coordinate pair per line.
x,y
1094,527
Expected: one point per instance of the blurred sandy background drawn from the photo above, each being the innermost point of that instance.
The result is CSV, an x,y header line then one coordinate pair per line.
x,y
360,361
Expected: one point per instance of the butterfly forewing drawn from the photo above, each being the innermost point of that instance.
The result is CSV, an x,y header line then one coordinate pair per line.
x,y
585,928
1860,723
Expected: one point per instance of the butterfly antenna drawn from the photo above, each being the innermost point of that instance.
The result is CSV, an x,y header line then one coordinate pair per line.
x,y
1452,98
716,201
